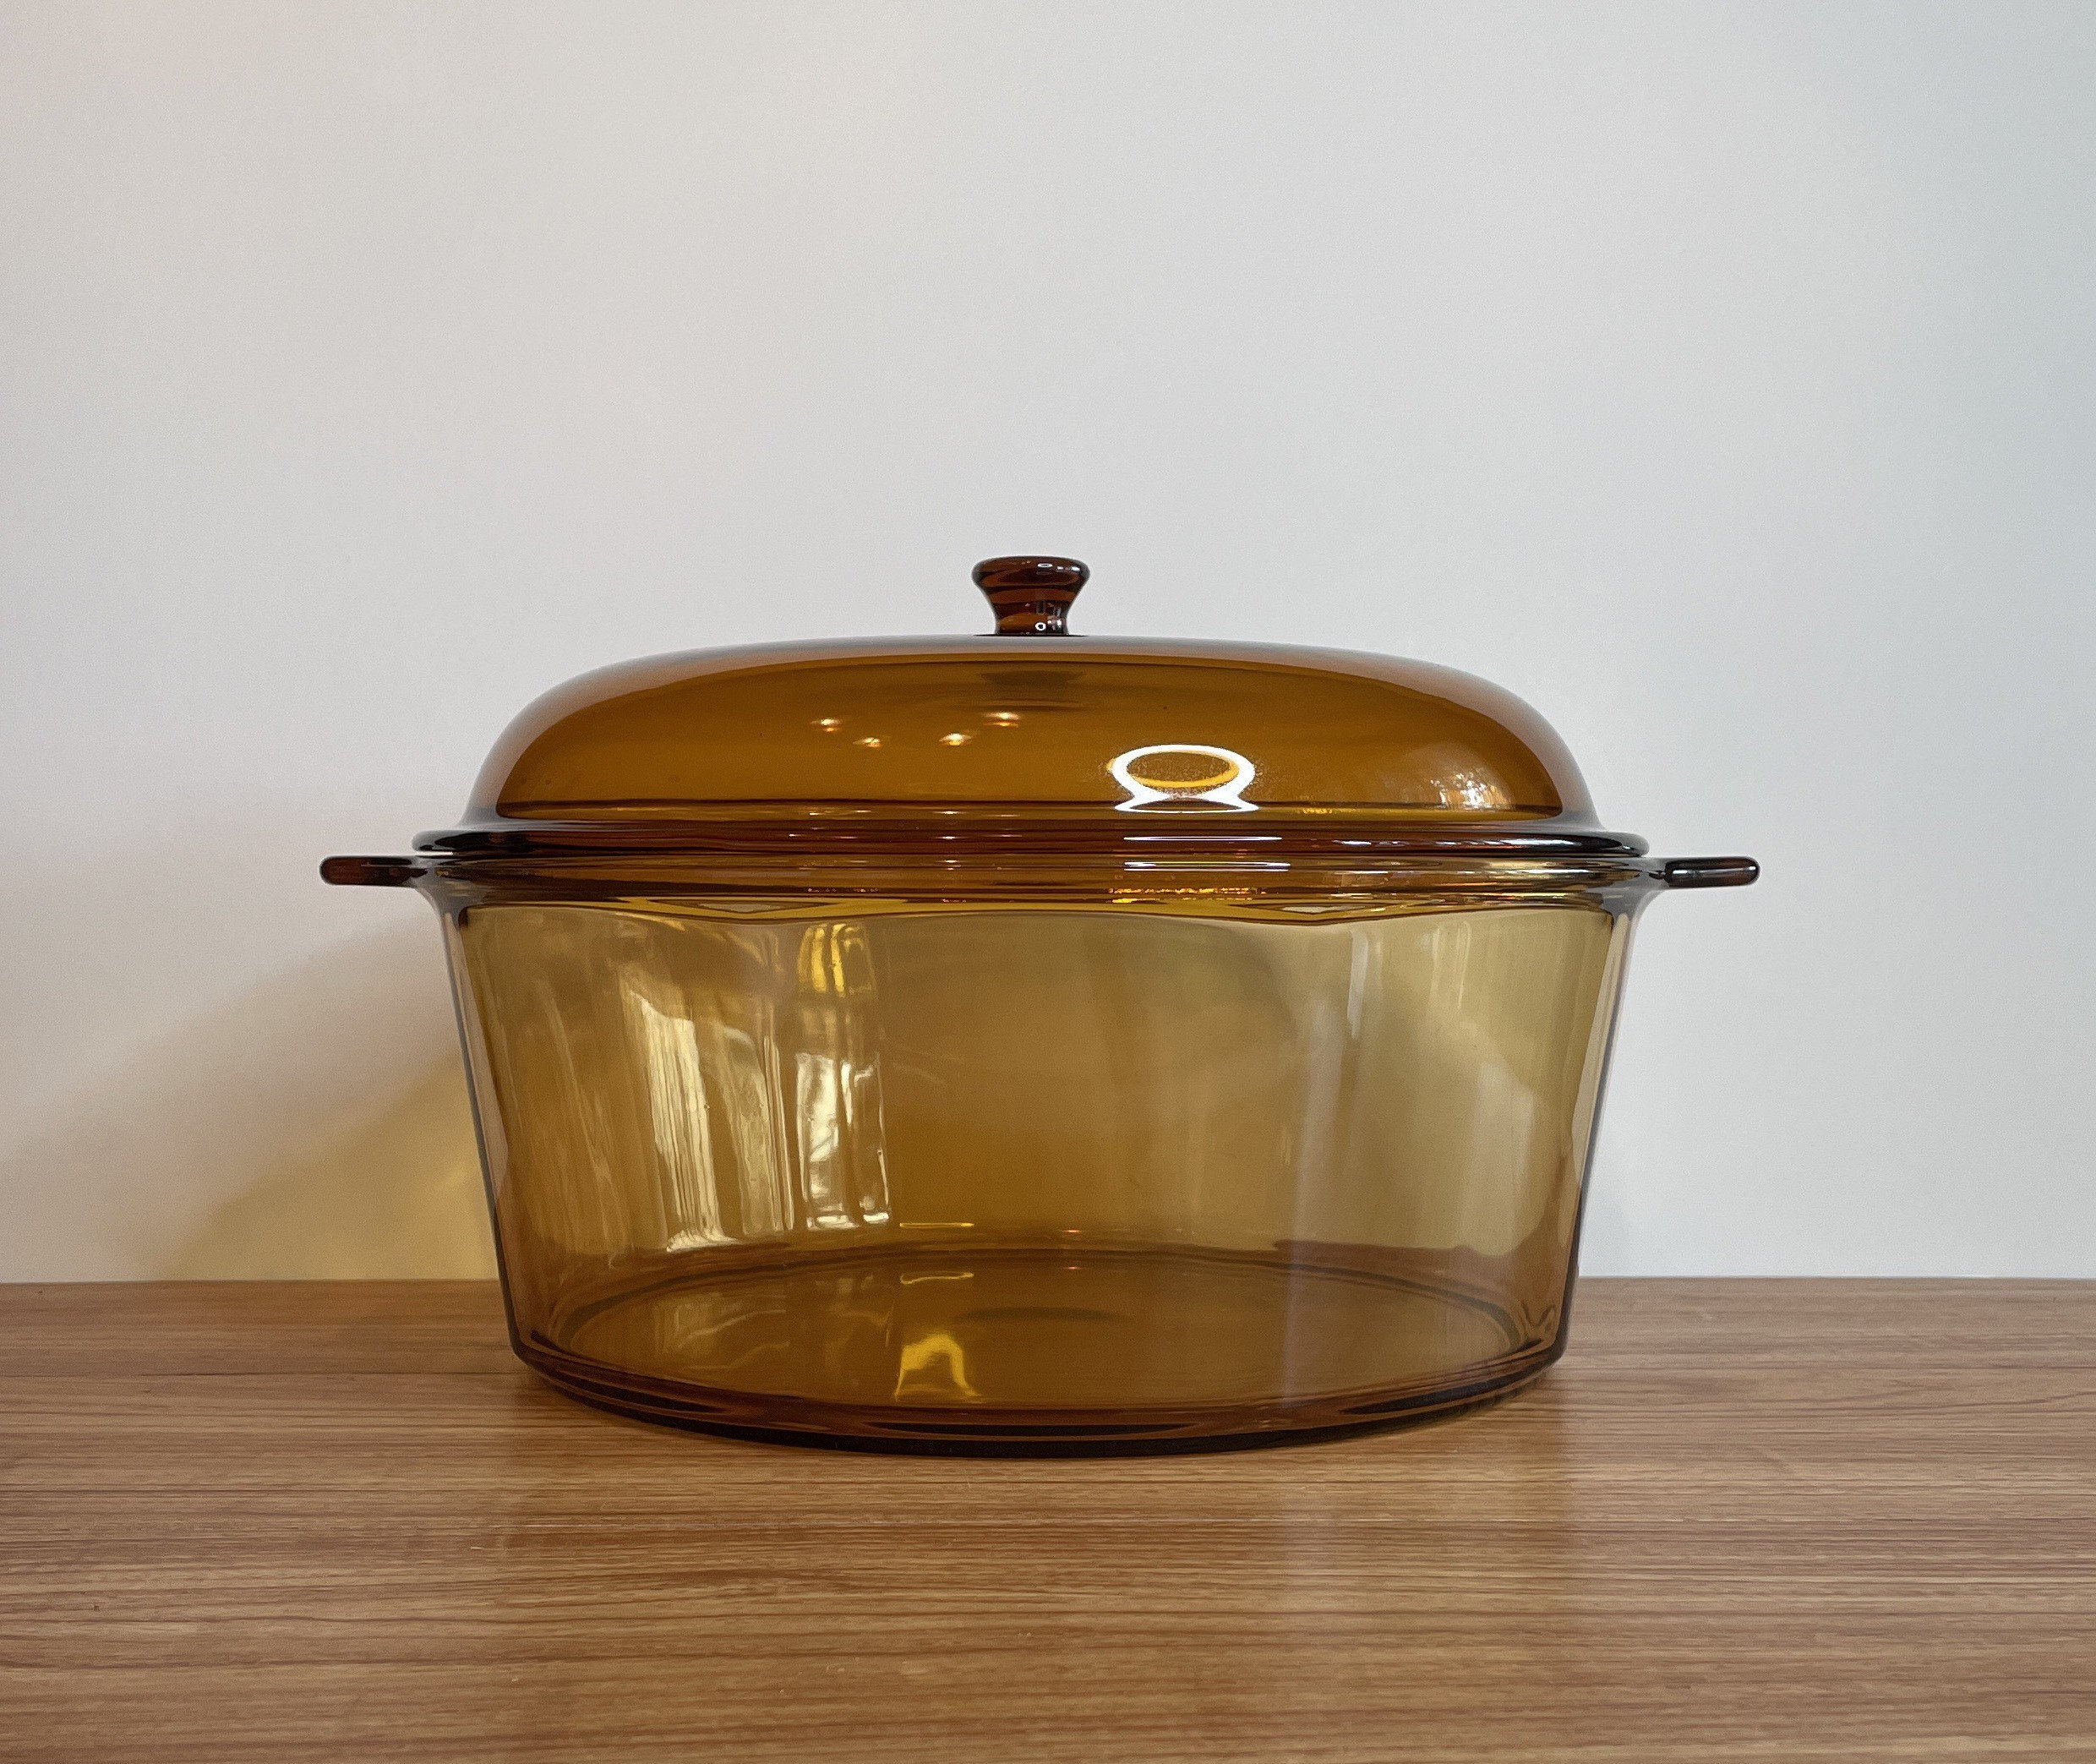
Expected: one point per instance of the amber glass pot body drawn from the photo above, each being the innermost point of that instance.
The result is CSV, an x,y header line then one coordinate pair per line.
x,y
1031,1043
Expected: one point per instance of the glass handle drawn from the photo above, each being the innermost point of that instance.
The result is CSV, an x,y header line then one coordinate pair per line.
x,y
1709,873
361,872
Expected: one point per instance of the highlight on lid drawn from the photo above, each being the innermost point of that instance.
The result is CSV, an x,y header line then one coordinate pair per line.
x,y
1183,775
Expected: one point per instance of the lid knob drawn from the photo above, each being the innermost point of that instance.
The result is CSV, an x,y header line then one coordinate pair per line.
x,y
1031,596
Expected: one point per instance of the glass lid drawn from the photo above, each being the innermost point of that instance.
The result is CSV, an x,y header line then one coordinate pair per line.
x,y
1026,730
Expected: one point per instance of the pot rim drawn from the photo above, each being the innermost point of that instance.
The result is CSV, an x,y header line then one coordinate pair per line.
x,y
1016,858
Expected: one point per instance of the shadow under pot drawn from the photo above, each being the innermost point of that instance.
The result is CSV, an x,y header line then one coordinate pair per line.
x,y
1033,1041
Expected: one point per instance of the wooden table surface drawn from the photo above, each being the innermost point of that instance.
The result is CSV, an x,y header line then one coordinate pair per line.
x,y
1776,1521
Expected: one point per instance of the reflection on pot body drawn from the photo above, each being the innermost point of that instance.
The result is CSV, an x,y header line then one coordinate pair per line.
x,y
728,1116
1072,1157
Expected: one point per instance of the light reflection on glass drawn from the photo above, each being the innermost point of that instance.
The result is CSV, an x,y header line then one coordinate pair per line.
x,y
1182,775
934,1363
1458,780
683,1131
842,1162
709,1089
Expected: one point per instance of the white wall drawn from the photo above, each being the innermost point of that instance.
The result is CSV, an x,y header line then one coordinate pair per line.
x,y
1718,377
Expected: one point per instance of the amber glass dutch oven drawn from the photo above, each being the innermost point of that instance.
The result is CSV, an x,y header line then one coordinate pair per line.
x,y
1035,1040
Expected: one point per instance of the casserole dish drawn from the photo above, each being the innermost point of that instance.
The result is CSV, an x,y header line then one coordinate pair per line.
x,y
1034,1041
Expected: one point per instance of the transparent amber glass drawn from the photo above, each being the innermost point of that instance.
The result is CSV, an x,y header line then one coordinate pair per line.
x,y
1243,1153
1034,1041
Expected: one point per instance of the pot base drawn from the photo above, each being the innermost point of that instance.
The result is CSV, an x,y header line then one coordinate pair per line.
x,y
1036,1347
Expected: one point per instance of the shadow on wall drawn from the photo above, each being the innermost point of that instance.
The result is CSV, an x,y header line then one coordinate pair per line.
x,y
318,1128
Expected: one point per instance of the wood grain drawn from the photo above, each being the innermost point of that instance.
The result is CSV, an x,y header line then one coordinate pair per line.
x,y
1744,1519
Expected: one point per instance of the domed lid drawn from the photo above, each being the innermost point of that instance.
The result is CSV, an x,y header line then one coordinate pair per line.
x,y
1027,731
